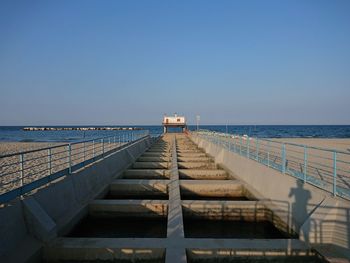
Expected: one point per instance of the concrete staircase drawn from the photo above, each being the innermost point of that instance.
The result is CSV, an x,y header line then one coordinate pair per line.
x,y
174,204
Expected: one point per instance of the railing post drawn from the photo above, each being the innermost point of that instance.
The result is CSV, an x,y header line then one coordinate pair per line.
x,y
103,146
305,163
234,143
257,149
93,149
49,162
21,168
229,143
84,153
268,154
119,141
283,158
109,143
70,158
113,141
248,143
334,173
240,145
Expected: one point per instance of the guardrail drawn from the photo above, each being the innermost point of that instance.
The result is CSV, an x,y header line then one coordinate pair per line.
x,y
327,169
25,171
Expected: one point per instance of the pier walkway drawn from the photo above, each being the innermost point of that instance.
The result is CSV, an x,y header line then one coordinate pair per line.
x,y
178,198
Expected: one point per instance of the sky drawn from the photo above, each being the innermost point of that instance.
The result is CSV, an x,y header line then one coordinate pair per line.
x,y
130,62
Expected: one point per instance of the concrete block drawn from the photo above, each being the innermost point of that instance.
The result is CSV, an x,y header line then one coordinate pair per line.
x,y
39,223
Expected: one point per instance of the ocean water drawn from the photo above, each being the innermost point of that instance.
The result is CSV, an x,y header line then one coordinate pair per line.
x,y
16,133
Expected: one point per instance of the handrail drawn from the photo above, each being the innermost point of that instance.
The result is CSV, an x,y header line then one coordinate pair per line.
x,y
24,171
324,168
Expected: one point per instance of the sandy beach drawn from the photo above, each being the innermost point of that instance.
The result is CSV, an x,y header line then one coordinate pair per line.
x,y
38,164
337,144
35,166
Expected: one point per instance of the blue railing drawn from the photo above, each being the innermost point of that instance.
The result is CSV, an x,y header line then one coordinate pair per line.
x,y
327,169
25,171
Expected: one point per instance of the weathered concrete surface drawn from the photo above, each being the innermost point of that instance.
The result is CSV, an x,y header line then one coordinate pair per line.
x,y
146,174
175,245
39,223
318,217
140,187
64,202
197,165
128,208
217,188
211,174
151,165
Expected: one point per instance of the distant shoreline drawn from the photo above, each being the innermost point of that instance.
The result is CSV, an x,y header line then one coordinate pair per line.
x,y
82,128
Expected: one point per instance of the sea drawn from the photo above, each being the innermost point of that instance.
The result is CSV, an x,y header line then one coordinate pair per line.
x,y
17,134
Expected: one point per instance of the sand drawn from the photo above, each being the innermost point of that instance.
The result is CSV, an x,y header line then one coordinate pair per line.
x,y
320,163
337,144
38,164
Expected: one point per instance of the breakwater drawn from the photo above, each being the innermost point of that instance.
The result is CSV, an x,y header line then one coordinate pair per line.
x,y
82,128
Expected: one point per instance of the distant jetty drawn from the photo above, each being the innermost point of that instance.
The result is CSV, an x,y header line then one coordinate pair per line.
x,y
82,128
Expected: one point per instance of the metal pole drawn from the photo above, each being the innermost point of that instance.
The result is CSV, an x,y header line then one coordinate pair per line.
x,y
257,149
334,173
240,145
84,153
103,146
229,143
70,158
93,149
234,143
113,141
268,154
49,161
305,163
283,158
248,142
21,168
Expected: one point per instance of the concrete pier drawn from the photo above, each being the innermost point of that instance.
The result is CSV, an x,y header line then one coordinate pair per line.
x,y
171,201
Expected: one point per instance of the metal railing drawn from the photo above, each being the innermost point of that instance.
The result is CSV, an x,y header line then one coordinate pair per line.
x,y
25,171
327,169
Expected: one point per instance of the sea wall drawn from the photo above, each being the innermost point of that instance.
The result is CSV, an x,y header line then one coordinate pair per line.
x,y
320,219
27,223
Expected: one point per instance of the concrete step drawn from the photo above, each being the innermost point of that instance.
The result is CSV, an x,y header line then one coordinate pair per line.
x,y
213,188
195,159
199,154
196,165
213,174
128,208
151,165
180,151
156,154
131,188
153,159
146,174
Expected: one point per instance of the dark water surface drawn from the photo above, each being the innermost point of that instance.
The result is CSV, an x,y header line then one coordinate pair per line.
x,y
15,133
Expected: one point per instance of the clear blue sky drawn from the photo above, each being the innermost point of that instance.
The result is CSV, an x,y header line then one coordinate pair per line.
x,y
129,62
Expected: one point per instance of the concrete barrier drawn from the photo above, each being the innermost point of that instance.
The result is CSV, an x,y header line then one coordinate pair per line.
x,y
25,224
320,219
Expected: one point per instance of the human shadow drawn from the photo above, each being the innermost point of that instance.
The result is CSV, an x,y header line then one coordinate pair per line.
x,y
299,209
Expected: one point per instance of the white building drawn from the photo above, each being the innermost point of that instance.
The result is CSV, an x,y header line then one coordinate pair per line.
x,y
174,121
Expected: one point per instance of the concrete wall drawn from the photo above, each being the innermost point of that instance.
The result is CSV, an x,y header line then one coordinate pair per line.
x,y
318,217
53,210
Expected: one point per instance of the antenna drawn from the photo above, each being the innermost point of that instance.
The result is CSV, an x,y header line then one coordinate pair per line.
x,y
198,119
